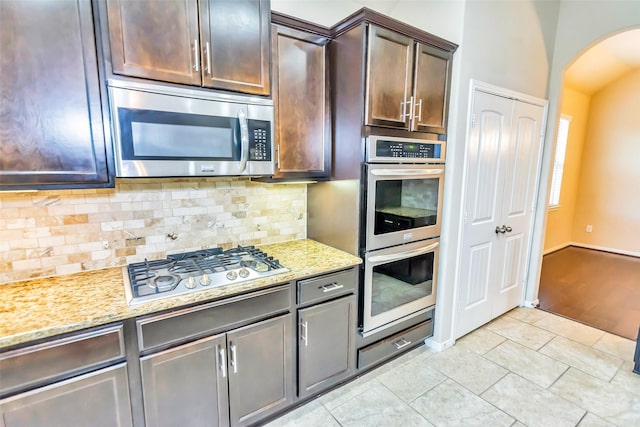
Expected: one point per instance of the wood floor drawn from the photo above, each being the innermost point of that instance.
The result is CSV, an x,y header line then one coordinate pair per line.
x,y
596,288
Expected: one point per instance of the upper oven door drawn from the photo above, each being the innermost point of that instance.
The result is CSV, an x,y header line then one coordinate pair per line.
x,y
403,203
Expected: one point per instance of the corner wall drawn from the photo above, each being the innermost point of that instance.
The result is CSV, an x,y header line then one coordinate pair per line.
x,y
581,24
558,233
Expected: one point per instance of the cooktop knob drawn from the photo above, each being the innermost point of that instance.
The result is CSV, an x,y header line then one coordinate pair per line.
x,y
205,280
232,275
190,283
244,273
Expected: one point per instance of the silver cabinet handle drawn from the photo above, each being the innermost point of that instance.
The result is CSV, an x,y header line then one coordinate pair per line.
x,y
223,361
419,115
304,332
196,54
402,343
331,287
244,140
234,360
207,52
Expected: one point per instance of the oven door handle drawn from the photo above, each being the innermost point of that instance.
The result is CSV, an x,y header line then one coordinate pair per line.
x,y
377,259
413,173
244,140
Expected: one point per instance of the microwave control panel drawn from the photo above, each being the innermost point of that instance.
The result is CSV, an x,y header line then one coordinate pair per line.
x,y
260,140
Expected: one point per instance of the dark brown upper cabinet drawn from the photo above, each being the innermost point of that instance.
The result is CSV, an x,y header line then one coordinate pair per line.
x,y
219,44
301,98
407,83
51,110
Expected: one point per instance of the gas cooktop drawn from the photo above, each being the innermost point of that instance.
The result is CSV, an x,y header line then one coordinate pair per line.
x,y
195,271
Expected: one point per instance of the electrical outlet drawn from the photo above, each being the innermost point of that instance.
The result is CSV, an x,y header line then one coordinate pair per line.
x,y
589,228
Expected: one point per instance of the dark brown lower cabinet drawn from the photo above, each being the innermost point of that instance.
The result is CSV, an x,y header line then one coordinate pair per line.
x,y
326,344
97,399
232,379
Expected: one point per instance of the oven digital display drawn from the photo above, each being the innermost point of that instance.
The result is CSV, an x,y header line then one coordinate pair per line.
x,y
399,149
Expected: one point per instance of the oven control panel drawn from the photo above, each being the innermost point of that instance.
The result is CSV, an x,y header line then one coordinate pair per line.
x,y
397,150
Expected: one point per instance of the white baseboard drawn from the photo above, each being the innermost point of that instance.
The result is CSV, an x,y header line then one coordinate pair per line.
x,y
605,249
556,248
439,346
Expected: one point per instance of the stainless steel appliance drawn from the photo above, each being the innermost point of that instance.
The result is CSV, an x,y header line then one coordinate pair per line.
x,y
163,130
195,271
391,217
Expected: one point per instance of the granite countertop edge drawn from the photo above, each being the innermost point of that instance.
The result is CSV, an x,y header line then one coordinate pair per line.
x,y
40,308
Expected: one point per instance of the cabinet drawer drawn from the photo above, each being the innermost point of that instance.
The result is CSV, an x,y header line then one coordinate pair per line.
x,y
325,287
395,344
185,325
43,363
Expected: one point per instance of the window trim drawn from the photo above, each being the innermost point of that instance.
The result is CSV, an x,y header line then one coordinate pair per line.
x,y
558,165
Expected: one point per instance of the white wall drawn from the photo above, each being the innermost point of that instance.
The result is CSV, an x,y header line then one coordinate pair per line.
x,y
581,24
506,44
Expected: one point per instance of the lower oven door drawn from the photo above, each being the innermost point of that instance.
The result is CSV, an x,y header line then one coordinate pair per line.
x,y
398,282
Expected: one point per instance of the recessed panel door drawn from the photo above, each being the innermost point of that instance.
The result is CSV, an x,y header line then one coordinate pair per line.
x,y
520,167
489,138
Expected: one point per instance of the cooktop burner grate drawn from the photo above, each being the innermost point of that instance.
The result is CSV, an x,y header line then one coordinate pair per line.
x,y
197,270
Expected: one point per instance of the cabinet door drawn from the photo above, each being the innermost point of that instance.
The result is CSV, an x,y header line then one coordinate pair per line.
x,y
50,107
303,131
326,344
236,44
431,89
390,57
186,385
260,369
98,399
155,39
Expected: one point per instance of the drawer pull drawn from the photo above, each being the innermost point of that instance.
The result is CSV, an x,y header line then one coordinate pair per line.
x,y
331,287
402,343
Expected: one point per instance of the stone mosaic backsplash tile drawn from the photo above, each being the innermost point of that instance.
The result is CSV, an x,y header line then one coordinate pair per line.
x,y
49,233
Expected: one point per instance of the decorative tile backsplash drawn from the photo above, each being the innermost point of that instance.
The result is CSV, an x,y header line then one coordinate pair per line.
x,y
49,233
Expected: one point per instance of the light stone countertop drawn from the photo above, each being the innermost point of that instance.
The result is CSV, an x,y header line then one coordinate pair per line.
x,y
40,308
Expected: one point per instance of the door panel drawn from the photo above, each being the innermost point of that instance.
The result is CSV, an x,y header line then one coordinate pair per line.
x,y
238,35
260,369
143,45
182,386
503,159
389,67
431,80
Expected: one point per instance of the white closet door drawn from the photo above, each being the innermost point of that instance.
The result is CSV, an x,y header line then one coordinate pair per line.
x,y
488,139
502,165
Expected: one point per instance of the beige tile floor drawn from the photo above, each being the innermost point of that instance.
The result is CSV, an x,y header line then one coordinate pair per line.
x,y
526,368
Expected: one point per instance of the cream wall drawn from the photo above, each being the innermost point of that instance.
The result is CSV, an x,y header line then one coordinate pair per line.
x,y
608,196
560,220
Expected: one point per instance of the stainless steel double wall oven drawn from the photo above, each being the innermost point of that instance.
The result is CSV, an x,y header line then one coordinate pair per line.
x,y
391,217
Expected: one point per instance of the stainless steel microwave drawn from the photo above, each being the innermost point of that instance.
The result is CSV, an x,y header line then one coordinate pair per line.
x,y
168,131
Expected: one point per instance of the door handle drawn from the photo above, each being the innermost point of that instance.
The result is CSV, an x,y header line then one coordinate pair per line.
x,y
196,54
234,360
223,361
244,140
304,332
503,229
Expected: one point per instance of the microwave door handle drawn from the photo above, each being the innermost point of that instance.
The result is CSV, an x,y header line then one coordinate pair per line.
x,y
414,173
377,259
244,140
